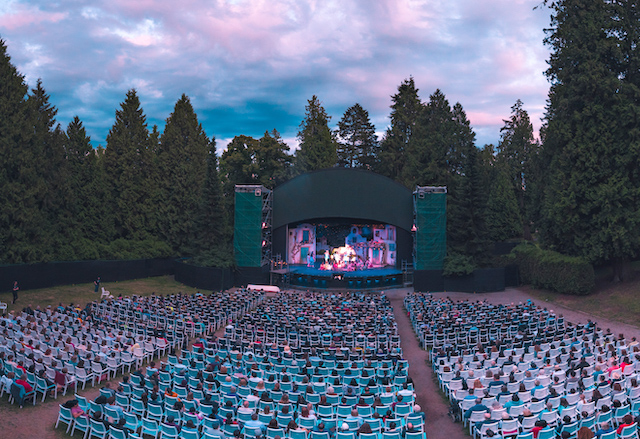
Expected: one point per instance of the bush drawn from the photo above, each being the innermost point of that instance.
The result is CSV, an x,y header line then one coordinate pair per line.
x,y
553,271
219,257
456,264
130,249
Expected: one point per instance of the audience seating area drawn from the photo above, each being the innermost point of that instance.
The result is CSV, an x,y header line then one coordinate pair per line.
x,y
521,371
339,321
296,365
71,347
317,366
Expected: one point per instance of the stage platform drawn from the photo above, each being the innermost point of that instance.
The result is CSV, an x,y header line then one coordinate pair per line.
x,y
373,278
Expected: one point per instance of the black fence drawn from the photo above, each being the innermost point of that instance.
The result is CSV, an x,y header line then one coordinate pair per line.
x,y
206,278
482,280
50,274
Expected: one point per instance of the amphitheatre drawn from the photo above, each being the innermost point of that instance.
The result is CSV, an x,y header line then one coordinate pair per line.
x,y
335,325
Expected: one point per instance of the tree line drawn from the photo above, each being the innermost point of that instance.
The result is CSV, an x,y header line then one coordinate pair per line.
x,y
427,143
574,189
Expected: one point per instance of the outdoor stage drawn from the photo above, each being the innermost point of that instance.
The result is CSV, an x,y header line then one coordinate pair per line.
x,y
313,277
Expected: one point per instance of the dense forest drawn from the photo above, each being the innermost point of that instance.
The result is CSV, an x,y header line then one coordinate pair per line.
x,y
574,188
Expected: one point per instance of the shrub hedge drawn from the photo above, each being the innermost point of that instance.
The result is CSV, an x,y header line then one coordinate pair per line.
x,y
456,265
553,271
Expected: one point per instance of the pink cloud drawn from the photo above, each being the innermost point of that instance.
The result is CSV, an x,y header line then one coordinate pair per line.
x,y
24,16
482,118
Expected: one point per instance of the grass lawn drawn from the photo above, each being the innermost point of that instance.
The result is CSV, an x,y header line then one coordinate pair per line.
x,y
83,293
615,301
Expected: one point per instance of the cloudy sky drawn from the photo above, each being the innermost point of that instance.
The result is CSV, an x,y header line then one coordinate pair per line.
x,y
251,65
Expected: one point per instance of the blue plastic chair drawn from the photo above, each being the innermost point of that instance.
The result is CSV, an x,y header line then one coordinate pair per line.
x,y
150,427
64,416
81,423
168,431
97,429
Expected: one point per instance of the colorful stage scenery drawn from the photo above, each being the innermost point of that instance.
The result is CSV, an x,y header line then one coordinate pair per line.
x,y
342,247
372,234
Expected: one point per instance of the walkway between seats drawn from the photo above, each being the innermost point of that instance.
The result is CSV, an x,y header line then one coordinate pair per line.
x,y
438,424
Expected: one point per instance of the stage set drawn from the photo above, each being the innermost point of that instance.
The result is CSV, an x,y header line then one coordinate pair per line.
x,y
358,255
367,235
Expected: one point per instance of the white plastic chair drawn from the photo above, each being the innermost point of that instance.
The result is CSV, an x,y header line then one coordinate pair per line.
x,y
105,294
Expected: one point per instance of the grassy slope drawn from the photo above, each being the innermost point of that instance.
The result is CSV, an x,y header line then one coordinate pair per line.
x,y
615,301
83,293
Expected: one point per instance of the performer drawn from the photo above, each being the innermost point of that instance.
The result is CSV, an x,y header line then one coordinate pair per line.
x,y
326,256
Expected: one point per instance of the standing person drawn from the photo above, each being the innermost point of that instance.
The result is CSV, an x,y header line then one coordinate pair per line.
x,y
16,288
97,284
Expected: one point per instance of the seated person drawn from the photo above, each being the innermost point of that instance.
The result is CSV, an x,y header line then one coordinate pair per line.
x,y
62,379
111,403
22,381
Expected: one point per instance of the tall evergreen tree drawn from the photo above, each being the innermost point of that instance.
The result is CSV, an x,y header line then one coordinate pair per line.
x,y
592,197
19,213
516,148
502,212
405,112
212,246
317,143
487,161
438,150
182,167
128,164
54,193
357,147
88,202
466,226
238,164
273,159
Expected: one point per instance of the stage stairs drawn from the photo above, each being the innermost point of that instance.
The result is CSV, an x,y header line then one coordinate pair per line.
x,y
407,274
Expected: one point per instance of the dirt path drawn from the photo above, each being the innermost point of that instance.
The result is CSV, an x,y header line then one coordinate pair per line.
x,y
438,424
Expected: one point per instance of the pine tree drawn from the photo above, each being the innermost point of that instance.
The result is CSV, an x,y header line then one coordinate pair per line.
x,y
317,144
358,141
503,218
53,197
88,205
516,148
273,160
405,112
127,163
19,213
466,227
432,138
213,244
591,205
239,164
182,167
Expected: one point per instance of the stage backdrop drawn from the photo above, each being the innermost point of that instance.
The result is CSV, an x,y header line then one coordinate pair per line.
x,y
343,194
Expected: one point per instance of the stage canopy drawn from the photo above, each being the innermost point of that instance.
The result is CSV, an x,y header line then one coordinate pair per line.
x,y
342,193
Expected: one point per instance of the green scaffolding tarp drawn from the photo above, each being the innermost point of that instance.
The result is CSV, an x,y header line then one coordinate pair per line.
x,y
247,237
431,230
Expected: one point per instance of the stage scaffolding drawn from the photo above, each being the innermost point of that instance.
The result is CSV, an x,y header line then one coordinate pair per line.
x,y
253,225
429,227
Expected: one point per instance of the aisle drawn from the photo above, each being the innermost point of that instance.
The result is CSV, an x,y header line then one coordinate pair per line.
x,y
438,424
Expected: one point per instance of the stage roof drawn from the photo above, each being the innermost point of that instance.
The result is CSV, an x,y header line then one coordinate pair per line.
x,y
342,193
